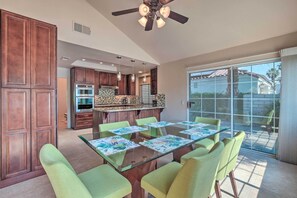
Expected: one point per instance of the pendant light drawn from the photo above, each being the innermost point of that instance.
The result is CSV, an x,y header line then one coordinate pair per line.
x,y
119,75
133,75
144,78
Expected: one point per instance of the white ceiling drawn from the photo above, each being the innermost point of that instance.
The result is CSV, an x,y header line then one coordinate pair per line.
x,y
75,54
213,25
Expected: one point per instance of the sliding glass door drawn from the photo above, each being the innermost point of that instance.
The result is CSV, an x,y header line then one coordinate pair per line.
x,y
244,97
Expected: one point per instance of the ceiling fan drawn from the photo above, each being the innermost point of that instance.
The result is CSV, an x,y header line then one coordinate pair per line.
x,y
151,10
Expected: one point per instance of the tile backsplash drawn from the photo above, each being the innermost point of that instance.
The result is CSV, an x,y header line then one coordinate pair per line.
x,y
99,100
107,92
160,100
107,96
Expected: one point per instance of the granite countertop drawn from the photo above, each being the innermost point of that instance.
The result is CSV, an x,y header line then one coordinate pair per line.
x,y
114,105
125,108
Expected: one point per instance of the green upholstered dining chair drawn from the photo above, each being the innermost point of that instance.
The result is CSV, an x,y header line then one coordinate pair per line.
x,y
208,143
194,179
99,182
227,163
228,166
153,131
114,125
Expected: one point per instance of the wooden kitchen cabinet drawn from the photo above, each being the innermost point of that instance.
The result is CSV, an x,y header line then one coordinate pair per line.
x,y
79,75
83,75
154,81
90,76
113,80
103,78
15,50
28,95
108,79
131,87
122,84
83,120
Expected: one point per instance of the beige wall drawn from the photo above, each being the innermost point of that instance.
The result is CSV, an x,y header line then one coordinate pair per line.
x,y
65,74
172,77
105,36
62,102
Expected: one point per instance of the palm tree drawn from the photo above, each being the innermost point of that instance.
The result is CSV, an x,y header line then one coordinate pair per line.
x,y
273,74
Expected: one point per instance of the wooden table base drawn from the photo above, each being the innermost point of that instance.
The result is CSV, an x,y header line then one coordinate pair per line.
x,y
134,176
180,152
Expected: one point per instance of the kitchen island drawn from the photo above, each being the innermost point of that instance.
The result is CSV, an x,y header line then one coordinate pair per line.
x,y
123,113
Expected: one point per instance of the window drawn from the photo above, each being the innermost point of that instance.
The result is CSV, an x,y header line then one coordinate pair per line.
x,y
244,97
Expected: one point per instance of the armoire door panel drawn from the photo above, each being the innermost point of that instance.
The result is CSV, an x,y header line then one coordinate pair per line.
x,y
15,154
40,137
15,132
43,108
15,110
15,44
43,55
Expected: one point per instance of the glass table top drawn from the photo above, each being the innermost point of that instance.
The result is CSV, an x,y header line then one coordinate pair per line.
x,y
133,149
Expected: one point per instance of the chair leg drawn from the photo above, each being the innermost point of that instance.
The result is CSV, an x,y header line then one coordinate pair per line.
x,y
144,194
233,182
128,196
218,189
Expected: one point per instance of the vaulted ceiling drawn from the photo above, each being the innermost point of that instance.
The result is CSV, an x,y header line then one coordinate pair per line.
x,y
213,25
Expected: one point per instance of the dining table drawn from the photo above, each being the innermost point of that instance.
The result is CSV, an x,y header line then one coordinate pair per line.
x,y
134,151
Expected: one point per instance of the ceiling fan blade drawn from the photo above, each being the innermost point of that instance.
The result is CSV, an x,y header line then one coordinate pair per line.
x,y
149,24
122,12
164,2
178,17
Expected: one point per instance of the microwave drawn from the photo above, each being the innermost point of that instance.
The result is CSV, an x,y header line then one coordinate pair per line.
x,y
84,90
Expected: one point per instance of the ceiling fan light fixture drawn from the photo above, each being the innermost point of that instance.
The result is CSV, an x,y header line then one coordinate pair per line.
x,y
143,9
165,11
160,22
142,21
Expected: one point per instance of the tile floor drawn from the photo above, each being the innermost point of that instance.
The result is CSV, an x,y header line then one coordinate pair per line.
x,y
257,175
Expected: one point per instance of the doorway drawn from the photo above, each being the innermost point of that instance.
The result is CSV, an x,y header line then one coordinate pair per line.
x,y
62,103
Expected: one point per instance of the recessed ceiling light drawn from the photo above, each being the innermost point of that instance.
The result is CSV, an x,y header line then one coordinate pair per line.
x,y
140,72
112,65
101,63
83,59
64,58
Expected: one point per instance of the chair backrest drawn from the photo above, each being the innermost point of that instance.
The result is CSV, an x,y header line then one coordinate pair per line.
x,y
143,121
113,125
239,137
196,177
225,159
62,176
153,131
270,117
212,121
